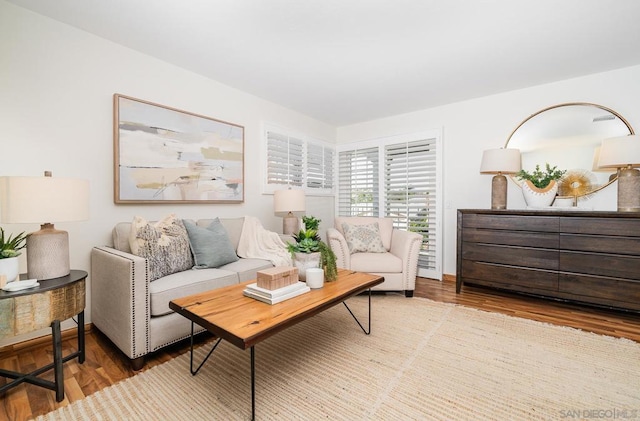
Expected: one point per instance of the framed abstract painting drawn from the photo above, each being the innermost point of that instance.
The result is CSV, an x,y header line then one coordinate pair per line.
x,y
166,155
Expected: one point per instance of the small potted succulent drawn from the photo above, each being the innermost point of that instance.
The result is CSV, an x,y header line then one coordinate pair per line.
x,y
9,251
540,187
310,251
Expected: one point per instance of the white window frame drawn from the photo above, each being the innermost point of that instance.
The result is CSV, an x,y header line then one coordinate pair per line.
x,y
330,179
381,143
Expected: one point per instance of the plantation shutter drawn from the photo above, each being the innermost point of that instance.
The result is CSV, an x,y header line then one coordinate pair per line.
x,y
411,198
319,166
358,182
284,159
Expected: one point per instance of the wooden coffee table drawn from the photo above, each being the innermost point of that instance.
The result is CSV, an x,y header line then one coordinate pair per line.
x,y
244,322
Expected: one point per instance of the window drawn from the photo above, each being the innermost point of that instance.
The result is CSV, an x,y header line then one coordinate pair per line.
x,y
298,161
358,184
397,177
319,166
284,160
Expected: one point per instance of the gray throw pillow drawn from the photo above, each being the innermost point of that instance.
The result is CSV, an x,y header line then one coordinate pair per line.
x,y
211,246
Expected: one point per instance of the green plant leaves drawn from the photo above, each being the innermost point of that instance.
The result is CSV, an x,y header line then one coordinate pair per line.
x,y
10,246
539,178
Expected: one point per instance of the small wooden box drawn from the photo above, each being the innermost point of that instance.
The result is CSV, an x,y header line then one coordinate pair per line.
x,y
277,277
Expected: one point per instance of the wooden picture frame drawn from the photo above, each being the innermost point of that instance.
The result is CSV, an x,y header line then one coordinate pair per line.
x,y
166,155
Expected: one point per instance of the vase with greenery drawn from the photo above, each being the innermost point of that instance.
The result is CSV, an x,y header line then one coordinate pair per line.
x,y
9,251
310,251
541,179
540,187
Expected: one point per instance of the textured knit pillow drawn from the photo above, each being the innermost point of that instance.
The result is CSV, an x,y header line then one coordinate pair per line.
x,y
211,246
165,244
363,238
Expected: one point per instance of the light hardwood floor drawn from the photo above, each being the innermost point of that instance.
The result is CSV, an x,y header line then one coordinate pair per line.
x,y
105,365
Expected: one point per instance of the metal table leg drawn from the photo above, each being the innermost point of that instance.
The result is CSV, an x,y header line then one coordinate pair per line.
x,y
194,372
368,330
81,343
253,385
58,374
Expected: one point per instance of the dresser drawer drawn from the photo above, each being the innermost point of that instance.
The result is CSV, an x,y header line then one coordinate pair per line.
x,y
608,265
600,243
511,238
626,227
509,277
513,256
511,222
601,290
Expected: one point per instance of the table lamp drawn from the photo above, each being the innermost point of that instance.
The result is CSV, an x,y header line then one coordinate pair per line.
x,y
287,202
500,162
36,199
623,153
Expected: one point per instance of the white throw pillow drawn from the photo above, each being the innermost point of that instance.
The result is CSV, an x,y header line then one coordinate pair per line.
x,y
363,238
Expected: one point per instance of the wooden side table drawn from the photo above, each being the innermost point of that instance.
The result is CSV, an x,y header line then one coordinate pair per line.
x,y
46,305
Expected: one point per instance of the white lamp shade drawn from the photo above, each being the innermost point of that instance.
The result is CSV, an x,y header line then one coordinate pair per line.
x,y
619,152
596,159
500,161
290,200
43,199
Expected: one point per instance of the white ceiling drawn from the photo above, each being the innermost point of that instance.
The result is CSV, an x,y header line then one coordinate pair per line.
x,y
347,61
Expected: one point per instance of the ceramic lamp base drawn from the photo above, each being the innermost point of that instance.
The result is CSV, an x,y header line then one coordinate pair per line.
x,y
48,253
290,224
629,190
499,192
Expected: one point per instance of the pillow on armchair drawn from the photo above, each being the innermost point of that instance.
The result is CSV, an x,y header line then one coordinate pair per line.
x,y
363,238
385,226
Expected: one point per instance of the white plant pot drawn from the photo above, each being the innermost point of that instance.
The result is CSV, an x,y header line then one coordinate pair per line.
x,y
10,268
539,198
304,261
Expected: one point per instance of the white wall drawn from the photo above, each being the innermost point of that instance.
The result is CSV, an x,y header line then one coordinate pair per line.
x,y
472,126
56,89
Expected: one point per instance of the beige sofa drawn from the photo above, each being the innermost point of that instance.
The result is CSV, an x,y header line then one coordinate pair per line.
x,y
396,259
134,312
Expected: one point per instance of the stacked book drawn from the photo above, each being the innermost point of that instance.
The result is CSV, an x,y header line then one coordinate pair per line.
x,y
273,296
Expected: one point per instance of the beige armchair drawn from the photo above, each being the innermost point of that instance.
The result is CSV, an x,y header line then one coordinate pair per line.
x,y
396,258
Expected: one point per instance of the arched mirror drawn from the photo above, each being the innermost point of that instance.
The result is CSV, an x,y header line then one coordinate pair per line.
x,y
569,136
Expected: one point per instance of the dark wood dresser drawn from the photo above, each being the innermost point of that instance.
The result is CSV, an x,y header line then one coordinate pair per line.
x,y
587,257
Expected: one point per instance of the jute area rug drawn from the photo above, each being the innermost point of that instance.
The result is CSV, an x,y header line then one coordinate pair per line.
x,y
423,361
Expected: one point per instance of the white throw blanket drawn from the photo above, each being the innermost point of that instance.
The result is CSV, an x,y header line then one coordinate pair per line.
x,y
259,243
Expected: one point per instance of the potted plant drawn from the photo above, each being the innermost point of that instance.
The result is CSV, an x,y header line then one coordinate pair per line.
x,y
9,251
310,251
540,187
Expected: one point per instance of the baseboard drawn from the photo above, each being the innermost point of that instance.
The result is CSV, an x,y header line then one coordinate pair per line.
x,y
42,340
448,278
